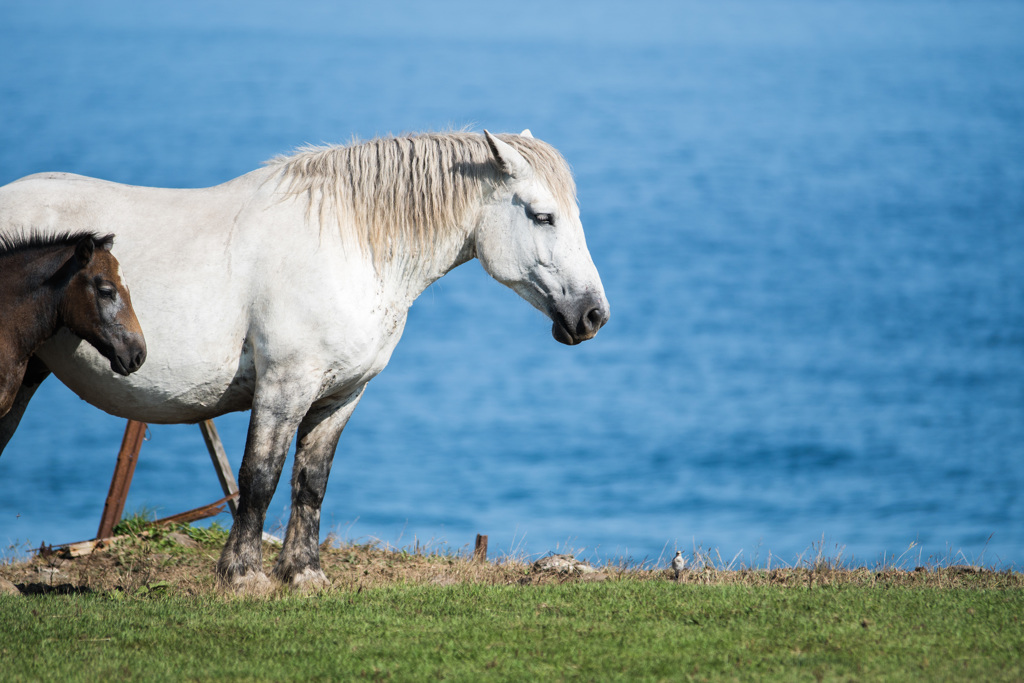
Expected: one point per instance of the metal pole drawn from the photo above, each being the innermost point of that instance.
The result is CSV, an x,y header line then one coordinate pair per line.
x,y
220,463
127,457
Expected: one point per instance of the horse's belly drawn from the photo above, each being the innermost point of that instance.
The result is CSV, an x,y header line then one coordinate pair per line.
x,y
159,392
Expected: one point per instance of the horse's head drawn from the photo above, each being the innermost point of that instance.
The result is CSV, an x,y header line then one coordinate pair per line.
x,y
98,308
530,238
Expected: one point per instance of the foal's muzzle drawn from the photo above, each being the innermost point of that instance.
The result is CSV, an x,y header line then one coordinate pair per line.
x,y
128,355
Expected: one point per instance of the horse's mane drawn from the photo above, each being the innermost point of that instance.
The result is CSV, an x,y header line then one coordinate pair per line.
x,y
410,189
13,244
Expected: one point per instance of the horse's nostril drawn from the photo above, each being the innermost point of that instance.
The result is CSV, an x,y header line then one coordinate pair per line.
x,y
596,318
591,322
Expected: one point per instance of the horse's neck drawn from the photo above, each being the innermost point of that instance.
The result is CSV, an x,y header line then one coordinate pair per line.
x,y
409,272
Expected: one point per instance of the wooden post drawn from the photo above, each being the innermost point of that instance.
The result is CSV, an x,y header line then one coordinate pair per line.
x,y
220,463
480,551
127,457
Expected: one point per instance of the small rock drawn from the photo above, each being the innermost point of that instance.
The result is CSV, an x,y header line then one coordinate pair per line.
x,y
182,539
563,564
8,588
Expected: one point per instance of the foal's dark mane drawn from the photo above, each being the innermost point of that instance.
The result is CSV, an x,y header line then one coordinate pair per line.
x,y
13,244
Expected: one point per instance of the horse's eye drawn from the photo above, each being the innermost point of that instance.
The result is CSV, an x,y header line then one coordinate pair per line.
x,y
107,292
544,218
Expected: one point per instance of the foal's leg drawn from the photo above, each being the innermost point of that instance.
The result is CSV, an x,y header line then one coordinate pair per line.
x,y
276,413
299,561
34,374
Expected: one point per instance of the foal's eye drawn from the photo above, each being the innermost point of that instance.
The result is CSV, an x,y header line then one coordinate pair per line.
x,y
107,292
544,218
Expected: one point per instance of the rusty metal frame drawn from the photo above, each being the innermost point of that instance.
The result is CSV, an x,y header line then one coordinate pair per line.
x,y
127,458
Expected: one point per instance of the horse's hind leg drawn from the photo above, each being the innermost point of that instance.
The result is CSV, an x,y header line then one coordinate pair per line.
x,y
299,561
35,373
276,413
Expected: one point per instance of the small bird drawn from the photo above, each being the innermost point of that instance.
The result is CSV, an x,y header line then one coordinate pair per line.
x,y
678,562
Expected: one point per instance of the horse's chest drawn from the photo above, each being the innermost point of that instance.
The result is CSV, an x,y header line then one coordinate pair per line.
x,y
356,348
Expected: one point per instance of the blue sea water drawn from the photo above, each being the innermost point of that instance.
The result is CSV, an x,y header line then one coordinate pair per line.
x,y
808,216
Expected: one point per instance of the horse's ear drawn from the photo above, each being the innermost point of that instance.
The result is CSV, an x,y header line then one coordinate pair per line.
x,y
509,161
526,133
84,250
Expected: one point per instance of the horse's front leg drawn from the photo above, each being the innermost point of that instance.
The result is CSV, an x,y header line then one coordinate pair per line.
x,y
276,412
299,561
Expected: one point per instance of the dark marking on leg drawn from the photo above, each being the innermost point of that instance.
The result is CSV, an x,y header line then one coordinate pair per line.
x,y
319,432
270,433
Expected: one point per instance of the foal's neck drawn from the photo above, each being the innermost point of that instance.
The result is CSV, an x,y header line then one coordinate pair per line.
x,y
31,304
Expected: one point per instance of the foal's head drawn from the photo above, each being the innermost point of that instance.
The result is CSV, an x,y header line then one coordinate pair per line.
x,y
97,307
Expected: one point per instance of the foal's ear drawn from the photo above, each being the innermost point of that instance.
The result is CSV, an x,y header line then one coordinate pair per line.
x,y
105,242
84,250
509,161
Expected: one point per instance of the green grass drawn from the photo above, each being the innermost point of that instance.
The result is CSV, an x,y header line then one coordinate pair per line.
x,y
619,629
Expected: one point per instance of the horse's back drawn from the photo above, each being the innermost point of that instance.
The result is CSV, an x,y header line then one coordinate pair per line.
x,y
52,175
47,183
39,201
154,226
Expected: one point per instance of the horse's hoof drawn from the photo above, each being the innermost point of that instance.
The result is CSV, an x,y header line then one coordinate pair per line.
x,y
311,581
254,584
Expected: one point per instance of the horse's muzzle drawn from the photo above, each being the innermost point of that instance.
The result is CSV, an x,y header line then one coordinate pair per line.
x,y
578,328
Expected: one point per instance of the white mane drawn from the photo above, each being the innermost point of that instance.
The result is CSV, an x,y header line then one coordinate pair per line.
x,y
409,190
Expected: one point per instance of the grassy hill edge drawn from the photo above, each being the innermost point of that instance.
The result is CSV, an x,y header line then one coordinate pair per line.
x,y
181,560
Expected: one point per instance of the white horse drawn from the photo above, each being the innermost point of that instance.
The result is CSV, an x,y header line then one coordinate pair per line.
x,y
286,290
